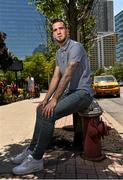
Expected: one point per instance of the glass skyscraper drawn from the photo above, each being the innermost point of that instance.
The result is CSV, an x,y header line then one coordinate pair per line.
x,y
24,26
119,31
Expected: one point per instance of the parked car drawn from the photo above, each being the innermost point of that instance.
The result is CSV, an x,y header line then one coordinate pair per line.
x,y
106,85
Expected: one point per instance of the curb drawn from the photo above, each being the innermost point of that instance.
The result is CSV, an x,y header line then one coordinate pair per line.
x,y
116,125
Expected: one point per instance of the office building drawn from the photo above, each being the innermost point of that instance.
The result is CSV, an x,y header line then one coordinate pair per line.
x,y
103,12
102,54
119,30
103,51
24,26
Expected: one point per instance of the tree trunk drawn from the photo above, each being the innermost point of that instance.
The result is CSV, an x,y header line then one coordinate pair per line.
x,y
72,19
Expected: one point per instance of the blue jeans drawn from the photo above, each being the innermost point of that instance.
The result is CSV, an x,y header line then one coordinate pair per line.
x,y
69,103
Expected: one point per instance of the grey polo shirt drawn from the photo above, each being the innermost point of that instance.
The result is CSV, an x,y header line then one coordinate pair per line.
x,y
74,51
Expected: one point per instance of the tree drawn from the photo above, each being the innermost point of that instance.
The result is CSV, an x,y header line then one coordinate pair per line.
x,y
99,72
5,56
76,12
40,66
117,71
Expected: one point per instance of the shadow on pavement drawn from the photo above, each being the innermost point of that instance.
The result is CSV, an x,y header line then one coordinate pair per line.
x,y
113,142
63,162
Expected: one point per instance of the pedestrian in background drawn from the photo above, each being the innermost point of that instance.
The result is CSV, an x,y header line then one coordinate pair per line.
x,y
14,88
31,85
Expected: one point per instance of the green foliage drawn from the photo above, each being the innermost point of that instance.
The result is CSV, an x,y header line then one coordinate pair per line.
x,y
5,56
77,15
87,34
7,98
117,71
9,76
50,8
75,12
99,72
40,66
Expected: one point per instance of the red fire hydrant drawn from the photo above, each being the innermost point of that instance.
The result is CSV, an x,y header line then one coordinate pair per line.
x,y
93,130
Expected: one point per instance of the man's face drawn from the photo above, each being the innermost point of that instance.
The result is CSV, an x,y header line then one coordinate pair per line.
x,y
60,32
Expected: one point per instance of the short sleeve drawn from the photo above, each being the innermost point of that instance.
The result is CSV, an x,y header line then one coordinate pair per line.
x,y
76,52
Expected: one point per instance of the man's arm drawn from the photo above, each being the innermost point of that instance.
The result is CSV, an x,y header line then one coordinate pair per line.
x,y
65,79
53,85
49,108
54,82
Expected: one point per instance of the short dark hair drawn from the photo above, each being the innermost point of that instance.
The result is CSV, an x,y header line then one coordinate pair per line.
x,y
58,20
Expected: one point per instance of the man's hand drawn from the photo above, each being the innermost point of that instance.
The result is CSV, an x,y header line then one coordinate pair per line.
x,y
42,103
49,108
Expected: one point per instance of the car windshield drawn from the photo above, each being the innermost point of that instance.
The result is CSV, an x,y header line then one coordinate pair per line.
x,y
105,79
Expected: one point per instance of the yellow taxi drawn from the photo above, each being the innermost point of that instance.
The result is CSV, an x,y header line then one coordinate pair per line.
x,y
106,85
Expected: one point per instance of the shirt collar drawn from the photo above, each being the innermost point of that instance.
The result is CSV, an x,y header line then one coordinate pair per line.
x,y
65,46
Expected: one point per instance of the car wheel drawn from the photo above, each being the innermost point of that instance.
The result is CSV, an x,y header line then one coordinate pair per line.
x,y
117,95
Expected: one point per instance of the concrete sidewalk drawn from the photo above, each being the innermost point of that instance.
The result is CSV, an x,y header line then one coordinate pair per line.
x,y
61,161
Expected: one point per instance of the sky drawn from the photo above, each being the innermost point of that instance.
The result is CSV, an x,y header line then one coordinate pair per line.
x,y
118,6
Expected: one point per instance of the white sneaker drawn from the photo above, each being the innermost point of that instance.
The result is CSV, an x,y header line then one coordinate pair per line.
x,y
20,157
29,165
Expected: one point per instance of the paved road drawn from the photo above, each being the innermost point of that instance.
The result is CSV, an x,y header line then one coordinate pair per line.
x,y
17,121
113,106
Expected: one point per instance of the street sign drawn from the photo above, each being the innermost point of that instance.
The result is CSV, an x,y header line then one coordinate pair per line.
x,y
16,66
